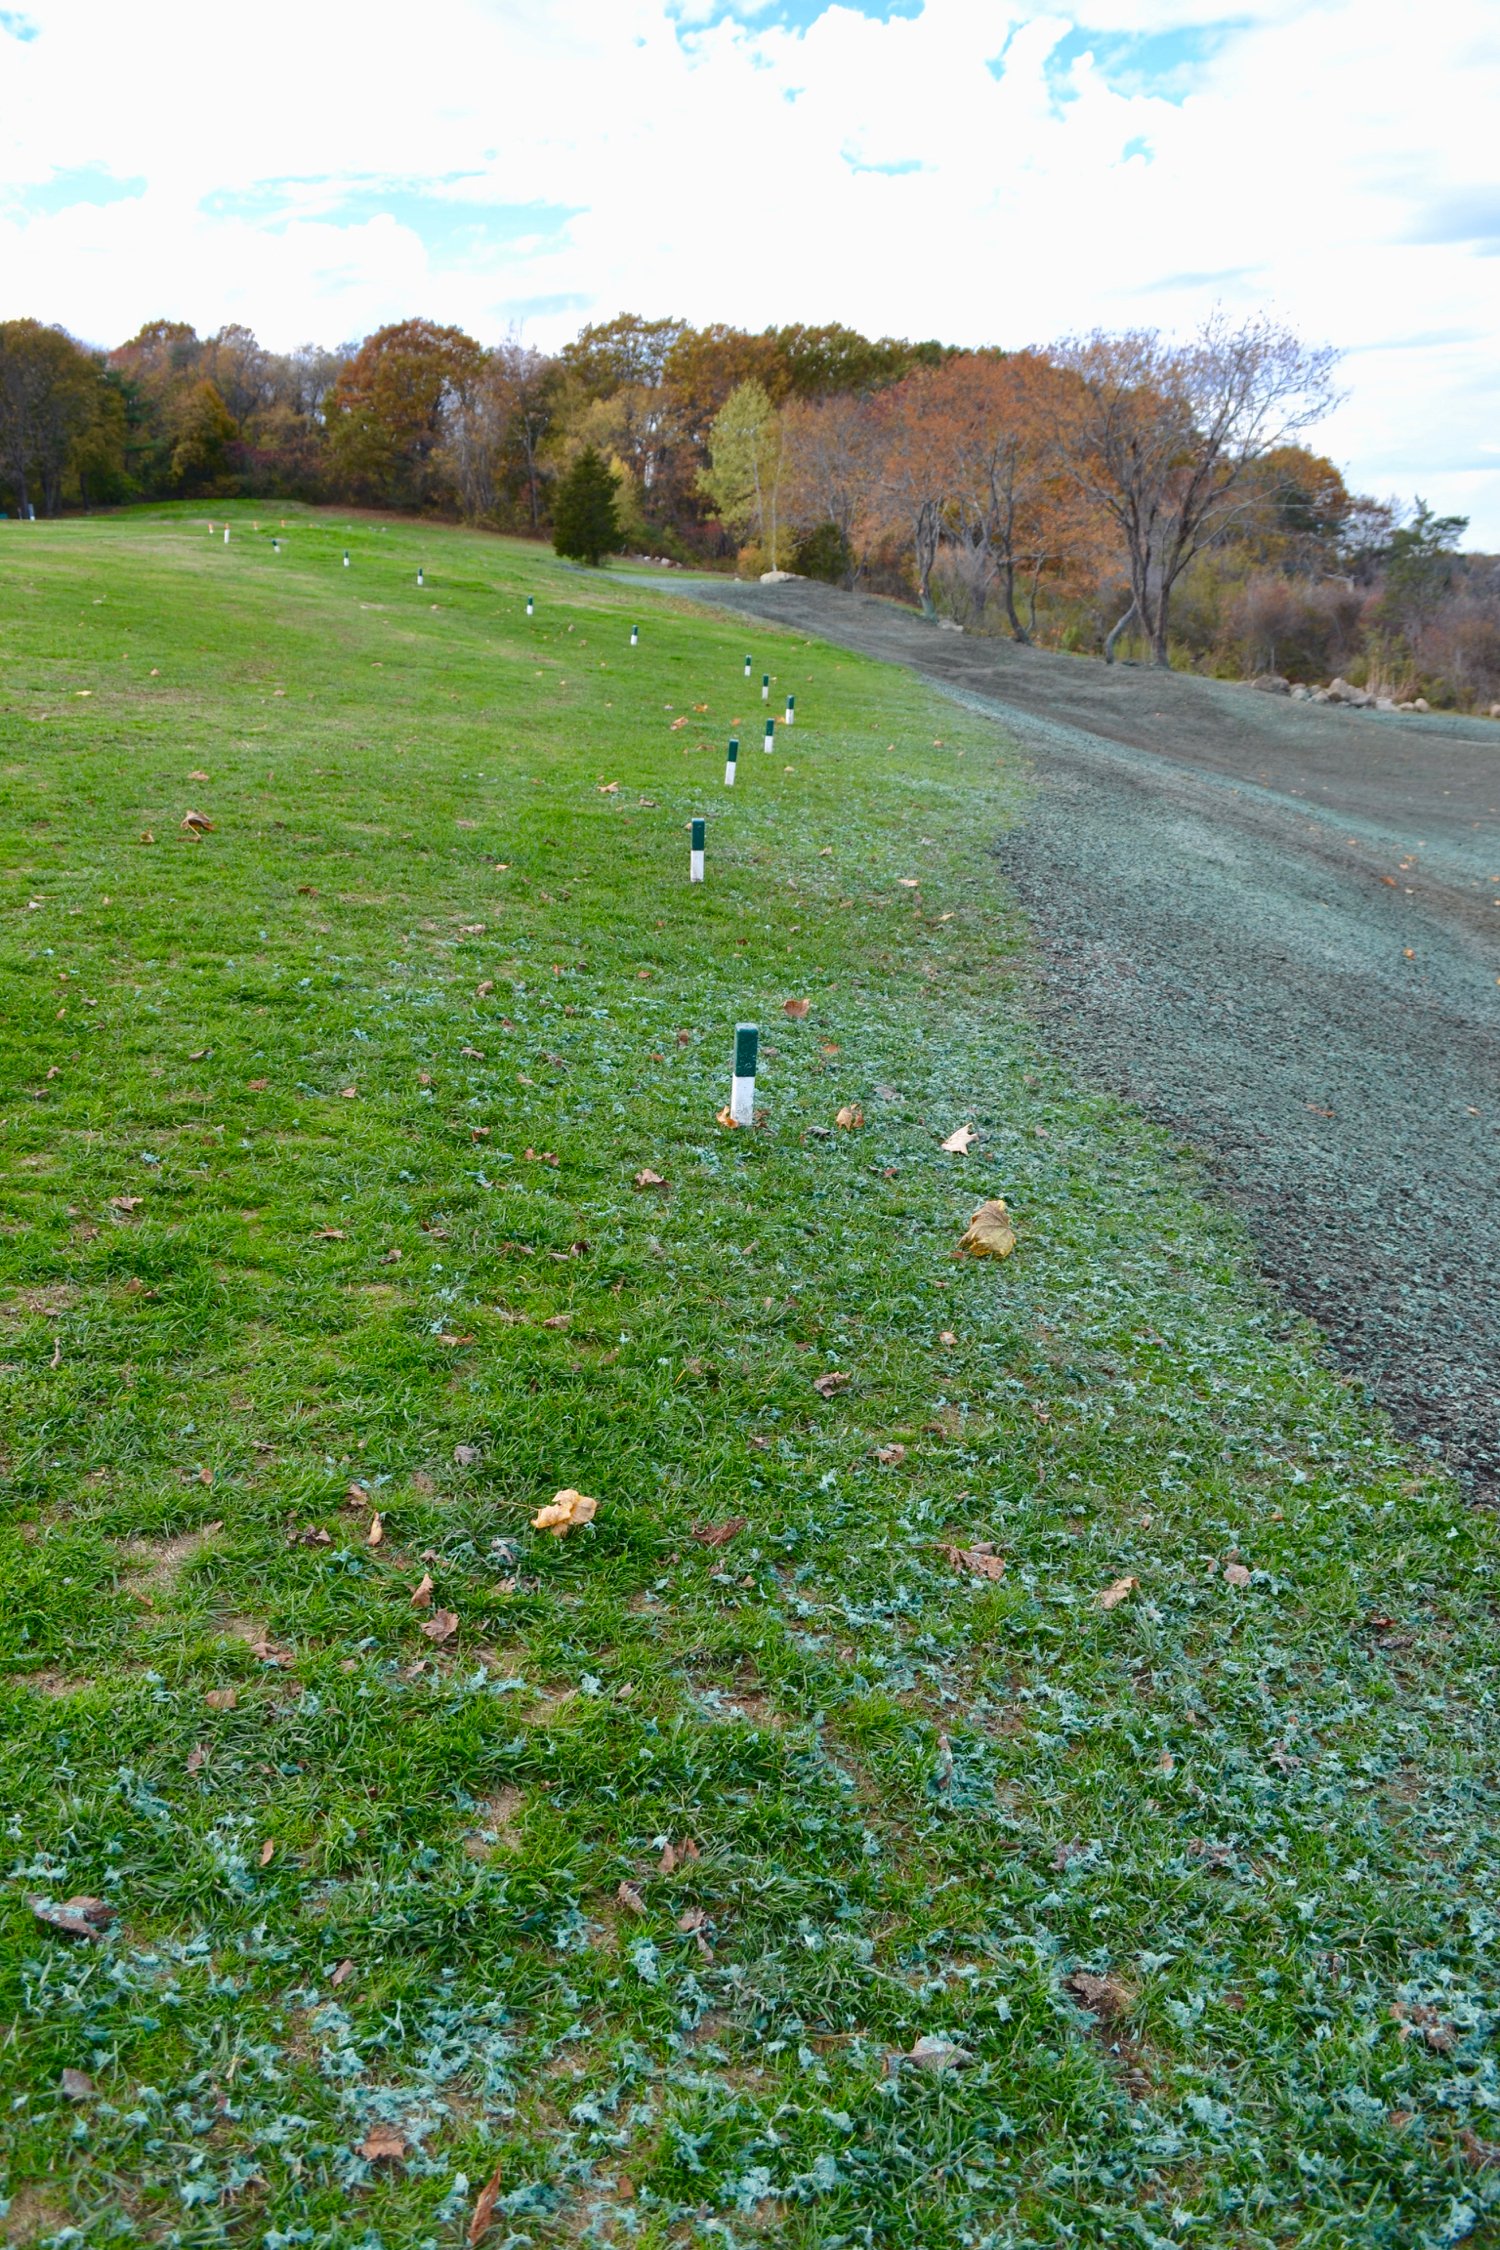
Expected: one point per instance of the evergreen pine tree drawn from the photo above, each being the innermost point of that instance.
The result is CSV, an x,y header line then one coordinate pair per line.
x,y
585,525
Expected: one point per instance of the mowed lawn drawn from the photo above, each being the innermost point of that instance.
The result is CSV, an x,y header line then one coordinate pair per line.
x,y
1057,1804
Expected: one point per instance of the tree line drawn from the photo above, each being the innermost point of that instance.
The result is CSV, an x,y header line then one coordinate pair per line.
x,y
1114,494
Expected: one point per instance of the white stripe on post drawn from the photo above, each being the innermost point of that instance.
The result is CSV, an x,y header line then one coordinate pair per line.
x,y
346,558
695,852
765,687
530,606
747,667
742,1084
791,709
731,760
635,636
770,741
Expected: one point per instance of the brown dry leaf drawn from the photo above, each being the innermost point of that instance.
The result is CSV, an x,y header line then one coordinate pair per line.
x,y
1104,1997
355,1496
422,1595
484,988
441,1626
796,1009
146,836
311,1535
907,882
989,1233
77,1917
828,1386
199,823
630,1898
724,1117
222,1698
126,1203
946,1336
890,1456
979,1560
1116,1592
608,788
330,1234
257,1085
564,1512
76,2085
197,774
348,1093
268,1851
465,1456
383,2144
649,1179
558,1320
342,1973
484,2209
960,1143
196,1758
376,1531
391,1258
205,1476
693,1919
851,1117
719,1534
1236,1574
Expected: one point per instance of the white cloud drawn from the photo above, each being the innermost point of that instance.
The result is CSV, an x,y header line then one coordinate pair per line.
x,y
1129,161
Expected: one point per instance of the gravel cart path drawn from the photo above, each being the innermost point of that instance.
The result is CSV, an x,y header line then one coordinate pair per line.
x,y
1277,928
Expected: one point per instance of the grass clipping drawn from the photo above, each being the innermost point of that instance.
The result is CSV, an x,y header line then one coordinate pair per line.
x,y
989,1233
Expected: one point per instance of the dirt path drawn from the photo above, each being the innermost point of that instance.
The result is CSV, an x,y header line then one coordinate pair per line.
x,y
1275,928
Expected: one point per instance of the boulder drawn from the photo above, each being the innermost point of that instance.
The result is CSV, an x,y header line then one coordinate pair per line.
x,y
777,577
1271,683
1299,693
1354,698
1385,703
1420,703
949,625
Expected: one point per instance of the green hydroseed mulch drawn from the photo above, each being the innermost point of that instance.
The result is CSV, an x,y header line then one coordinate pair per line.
x,y
319,1147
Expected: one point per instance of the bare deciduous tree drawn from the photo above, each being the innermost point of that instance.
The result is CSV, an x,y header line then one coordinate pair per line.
x,y
1161,438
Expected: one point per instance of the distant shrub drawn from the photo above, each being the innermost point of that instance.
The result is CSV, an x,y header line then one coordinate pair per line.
x,y
824,553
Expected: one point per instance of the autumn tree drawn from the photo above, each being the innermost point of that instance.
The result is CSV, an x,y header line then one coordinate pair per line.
x,y
746,460
831,467
1162,438
384,413
585,526
916,473
52,398
205,436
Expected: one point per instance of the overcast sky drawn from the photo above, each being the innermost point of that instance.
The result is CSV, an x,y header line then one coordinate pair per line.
x,y
976,170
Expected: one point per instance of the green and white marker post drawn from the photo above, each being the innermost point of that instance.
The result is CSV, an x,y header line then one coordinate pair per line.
x,y
765,687
731,760
226,535
747,667
635,636
421,581
346,558
695,851
770,741
742,1084
791,709
530,606
276,546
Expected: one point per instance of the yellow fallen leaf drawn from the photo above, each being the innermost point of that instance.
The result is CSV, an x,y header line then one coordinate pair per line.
x,y
267,1851
1116,1592
796,1009
649,1179
564,1512
199,823
977,1560
989,1233
907,882
960,1143
851,1117
422,1595
376,1531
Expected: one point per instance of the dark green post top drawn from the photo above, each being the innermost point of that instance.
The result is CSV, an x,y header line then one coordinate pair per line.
x,y
699,829
746,1043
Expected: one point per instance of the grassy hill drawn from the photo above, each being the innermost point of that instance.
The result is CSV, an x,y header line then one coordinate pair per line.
x,y
1055,1805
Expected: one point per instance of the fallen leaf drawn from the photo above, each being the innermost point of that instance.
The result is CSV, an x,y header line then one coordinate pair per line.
x,y
222,1698
355,1496
725,1117
126,1203
890,1456
196,1758
719,1534
76,2085
197,774
342,1973
1236,1574
693,1919
267,1851
376,1531
932,2052
989,1233
330,1234
311,1535
979,1560
484,2209
851,1117
383,2144
391,1258
484,988
946,1336
630,1898
466,1455
1481,2156
77,1917
796,1009
828,1386
348,1093
422,1595
649,1179
198,823
1116,1592
441,1626
558,1320
564,1512
146,836
907,882
960,1143
608,788
1104,1997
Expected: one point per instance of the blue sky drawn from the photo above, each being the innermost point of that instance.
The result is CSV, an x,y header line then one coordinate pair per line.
x,y
984,170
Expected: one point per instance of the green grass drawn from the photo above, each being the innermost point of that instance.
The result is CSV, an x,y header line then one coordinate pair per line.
x,y
921,1802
